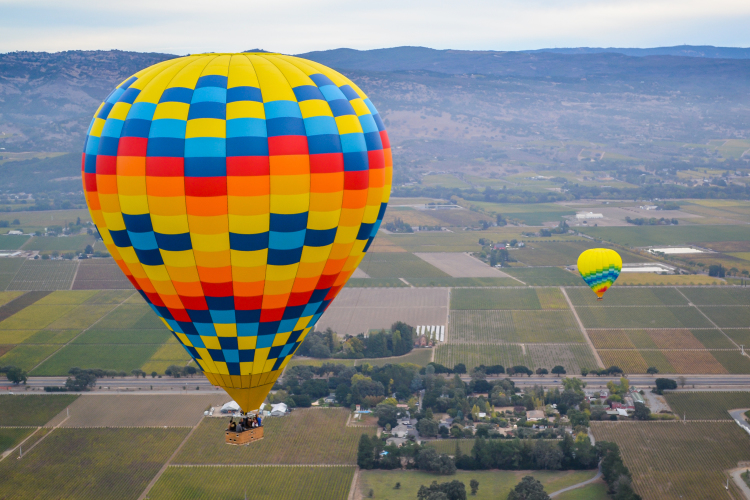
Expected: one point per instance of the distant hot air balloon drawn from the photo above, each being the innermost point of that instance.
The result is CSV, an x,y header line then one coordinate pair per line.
x,y
599,268
238,193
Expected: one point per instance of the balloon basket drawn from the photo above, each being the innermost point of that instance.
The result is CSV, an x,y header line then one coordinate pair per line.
x,y
243,438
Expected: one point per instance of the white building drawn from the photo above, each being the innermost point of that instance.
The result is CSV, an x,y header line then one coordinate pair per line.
x,y
589,215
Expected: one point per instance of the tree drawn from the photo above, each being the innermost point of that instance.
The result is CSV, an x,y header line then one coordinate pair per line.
x,y
427,427
541,371
16,375
558,370
642,412
429,460
387,414
474,485
681,381
459,368
652,370
528,489
89,250
365,458
663,384
454,490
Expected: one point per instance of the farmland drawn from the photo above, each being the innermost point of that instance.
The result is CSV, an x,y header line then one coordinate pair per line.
x,y
32,410
492,484
307,436
572,357
642,236
728,317
100,274
717,296
10,437
651,279
707,405
544,276
44,275
62,244
663,461
460,265
502,298
562,253
129,357
581,296
448,446
89,464
142,410
514,326
642,317
398,265
260,483
451,282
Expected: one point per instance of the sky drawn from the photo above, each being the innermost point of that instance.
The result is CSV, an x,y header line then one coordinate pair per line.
x,y
299,26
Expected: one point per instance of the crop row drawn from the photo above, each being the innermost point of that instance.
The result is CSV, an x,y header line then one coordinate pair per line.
x,y
707,405
572,357
514,326
671,460
642,317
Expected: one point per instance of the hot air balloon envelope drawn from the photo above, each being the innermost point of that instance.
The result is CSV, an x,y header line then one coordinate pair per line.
x,y
238,193
599,268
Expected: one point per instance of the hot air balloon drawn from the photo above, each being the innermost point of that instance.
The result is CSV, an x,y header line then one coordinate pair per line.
x,y
238,193
599,268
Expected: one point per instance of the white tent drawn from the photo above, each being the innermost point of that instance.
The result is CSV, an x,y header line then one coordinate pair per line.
x,y
230,407
442,333
278,410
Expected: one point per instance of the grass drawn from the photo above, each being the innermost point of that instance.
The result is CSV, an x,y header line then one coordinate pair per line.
x,y
492,484
448,446
544,276
27,357
416,356
593,491
61,244
398,265
89,464
642,317
32,410
261,483
11,437
627,297
127,358
474,299
664,460
12,241
641,236
307,436
707,405
100,336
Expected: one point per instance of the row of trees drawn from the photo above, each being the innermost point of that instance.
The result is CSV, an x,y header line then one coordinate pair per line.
x,y
397,341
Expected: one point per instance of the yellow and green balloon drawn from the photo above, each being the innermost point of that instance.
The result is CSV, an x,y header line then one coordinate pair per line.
x,y
599,268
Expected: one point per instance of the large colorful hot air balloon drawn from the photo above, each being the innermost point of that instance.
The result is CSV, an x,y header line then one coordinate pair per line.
x,y
238,193
599,268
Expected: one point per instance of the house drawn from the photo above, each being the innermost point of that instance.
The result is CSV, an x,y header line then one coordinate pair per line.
x,y
400,430
534,415
399,442
330,399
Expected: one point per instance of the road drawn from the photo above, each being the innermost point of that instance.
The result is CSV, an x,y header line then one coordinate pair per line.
x,y
701,382
579,485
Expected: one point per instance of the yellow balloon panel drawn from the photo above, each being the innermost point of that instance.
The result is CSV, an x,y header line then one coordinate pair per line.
x,y
599,268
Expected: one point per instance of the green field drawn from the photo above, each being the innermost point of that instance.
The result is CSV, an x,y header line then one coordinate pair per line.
x,y
641,236
448,446
549,326
375,283
89,464
707,405
544,276
306,436
10,437
61,244
27,357
260,483
562,253
398,265
132,316
572,356
580,296
492,484
642,317
718,296
100,336
12,242
22,410
128,357
593,491
416,356
728,317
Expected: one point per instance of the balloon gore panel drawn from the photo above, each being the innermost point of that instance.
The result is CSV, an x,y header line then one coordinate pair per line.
x,y
599,268
238,193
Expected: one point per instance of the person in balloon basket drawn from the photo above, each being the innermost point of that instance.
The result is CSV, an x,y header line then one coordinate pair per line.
x,y
232,425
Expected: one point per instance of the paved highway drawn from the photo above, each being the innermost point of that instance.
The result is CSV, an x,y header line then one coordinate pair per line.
x,y
697,382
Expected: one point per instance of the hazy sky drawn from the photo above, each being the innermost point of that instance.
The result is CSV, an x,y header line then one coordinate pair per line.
x,y
297,26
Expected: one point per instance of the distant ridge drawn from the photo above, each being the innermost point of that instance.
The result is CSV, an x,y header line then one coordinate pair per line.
x,y
708,51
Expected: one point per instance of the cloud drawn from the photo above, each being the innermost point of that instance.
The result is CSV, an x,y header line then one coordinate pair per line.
x,y
296,26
